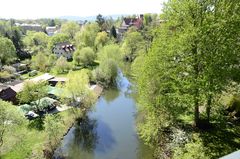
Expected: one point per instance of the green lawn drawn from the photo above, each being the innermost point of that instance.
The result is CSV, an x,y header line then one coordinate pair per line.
x,y
28,141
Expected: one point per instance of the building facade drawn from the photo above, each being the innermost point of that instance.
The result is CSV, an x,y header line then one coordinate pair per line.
x,y
64,49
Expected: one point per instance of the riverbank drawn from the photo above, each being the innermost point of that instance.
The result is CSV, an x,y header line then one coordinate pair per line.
x,y
30,140
109,131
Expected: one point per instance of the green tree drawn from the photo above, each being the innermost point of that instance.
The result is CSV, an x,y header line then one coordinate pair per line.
x,y
101,21
61,65
133,44
147,19
36,41
113,32
7,50
51,23
189,64
53,125
77,90
109,57
33,92
39,62
106,73
87,36
70,28
101,40
10,119
112,51
85,56
57,38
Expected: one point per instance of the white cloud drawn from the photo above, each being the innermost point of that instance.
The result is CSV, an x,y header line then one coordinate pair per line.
x,y
25,9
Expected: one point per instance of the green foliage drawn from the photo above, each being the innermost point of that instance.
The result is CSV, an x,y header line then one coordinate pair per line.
x,y
101,40
106,73
87,36
14,33
112,51
70,28
5,75
110,58
9,69
113,32
76,90
7,50
189,64
61,65
35,41
53,125
147,19
43,62
85,56
133,45
192,150
33,92
10,118
57,38
101,22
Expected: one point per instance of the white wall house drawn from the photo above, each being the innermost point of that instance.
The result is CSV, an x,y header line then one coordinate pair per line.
x,y
51,30
64,49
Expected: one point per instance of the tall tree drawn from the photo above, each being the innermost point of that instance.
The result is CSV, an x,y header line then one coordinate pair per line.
x,y
77,90
7,50
70,28
86,37
101,21
133,44
191,61
101,40
85,56
10,118
113,32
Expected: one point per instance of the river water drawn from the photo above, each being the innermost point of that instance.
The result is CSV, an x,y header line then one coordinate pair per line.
x,y
109,131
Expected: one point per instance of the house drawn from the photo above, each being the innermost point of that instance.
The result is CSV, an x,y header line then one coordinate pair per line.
x,y
30,27
64,49
7,94
52,30
128,22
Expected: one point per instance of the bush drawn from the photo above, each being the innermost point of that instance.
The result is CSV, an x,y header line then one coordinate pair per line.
x,y
85,56
192,150
62,66
106,73
33,73
5,75
9,69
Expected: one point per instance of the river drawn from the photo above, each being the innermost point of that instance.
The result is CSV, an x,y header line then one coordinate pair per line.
x,y
109,131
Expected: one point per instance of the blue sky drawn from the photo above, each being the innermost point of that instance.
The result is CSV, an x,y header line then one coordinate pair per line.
x,y
32,9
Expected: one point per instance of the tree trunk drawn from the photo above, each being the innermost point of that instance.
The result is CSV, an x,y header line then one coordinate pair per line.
x,y
196,89
196,109
208,108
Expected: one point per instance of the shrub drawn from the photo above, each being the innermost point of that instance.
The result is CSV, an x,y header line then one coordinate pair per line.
x,y
9,69
85,56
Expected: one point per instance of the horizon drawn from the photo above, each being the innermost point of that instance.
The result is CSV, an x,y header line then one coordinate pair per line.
x,y
27,9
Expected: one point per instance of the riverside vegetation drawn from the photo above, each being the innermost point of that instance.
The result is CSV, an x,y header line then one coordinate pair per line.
x,y
184,65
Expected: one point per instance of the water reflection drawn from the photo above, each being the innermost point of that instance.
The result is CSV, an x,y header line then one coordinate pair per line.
x,y
85,134
109,131
111,94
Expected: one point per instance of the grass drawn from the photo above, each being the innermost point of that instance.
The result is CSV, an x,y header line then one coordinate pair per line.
x,y
29,141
